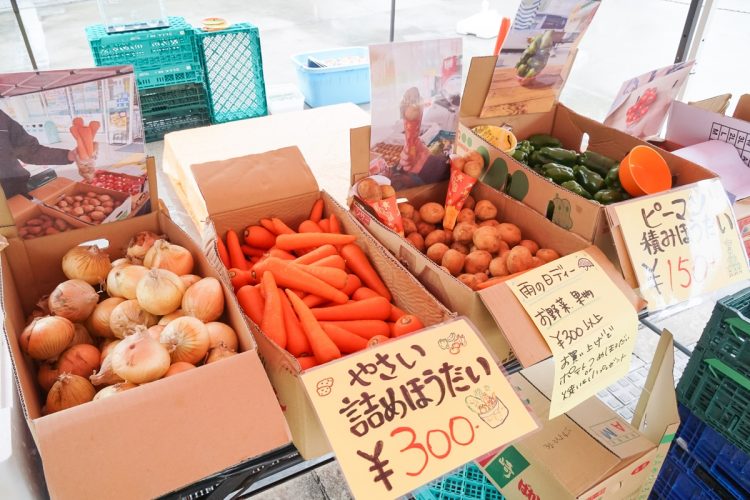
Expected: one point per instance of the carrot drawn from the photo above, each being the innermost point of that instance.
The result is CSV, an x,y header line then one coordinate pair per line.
x,y
358,263
334,277
87,139
335,261
306,362
377,339
345,340
317,254
363,293
296,340
251,302
352,284
281,254
335,224
268,224
308,226
374,308
307,240
251,252
236,258
280,227
313,300
259,237
298,293
317,210
273,317
396,313
365,328
497,280
291,276
407,324
322,346
80,148
78,122
325,225
94,126
239,278
223,254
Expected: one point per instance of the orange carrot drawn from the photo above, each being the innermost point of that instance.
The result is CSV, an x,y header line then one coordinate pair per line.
x,y
259,237
396,313
407,324
374,308
497,280
325,225
273,317
317,210
363,292
317,254
280,227
322,346
308,226
94,126
377,339
251,302
298,293
335,261
223,254
359,264
352,284
87,139
346,341
306,362
365,328
239,278
334,277
313,300
296,340
335,224
80,148
268,224
251,252
281,254
291,276
308,240
236,258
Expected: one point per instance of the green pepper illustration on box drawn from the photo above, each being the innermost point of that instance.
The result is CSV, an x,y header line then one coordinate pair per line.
x,y
506,466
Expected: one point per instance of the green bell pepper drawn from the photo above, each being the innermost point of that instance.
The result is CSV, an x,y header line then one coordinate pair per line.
x,y
525,146
576,188
536,159
540,141
558,173
607,196
596,162
520,155
560,155
612,180
591,181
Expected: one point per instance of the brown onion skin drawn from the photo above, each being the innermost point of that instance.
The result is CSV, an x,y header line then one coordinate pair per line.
x,y
47,337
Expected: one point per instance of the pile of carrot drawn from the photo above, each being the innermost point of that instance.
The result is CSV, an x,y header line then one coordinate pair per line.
x,y
84,136
312,291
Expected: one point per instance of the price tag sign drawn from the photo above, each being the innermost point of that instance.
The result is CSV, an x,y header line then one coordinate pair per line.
x,y
412,409
588,323
683,243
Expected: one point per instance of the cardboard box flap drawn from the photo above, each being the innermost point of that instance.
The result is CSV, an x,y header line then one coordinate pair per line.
x,y
716,104
477,85
236,183
742,111
359,153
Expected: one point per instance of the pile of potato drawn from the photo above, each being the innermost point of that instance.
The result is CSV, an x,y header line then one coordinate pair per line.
x,y
479,246
43,225
88,207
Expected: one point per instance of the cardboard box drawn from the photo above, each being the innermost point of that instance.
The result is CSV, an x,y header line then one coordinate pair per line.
x,y
495,311
568,210
61,187
153,439
283,186
589,452
25,210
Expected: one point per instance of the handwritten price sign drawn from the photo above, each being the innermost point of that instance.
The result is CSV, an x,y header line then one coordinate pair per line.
x,y
410,410
587,321
683,243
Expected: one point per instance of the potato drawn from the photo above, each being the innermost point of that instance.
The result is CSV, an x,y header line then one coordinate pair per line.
x,y
416,240
105,197
78,211
369,190
51,230
435,252
437,236
416,217
481,277
547,254
509,233
477,262
465,215
23,232
47,224
67,210
97,215
453,260
406,209
487,238
458,163
61,224
35,230
448,236
490,223
387,191
531,245
95,202
485,210
469,280
461,247
536,262
498,267
107,210
519,259
85,218
87,208
432,212
424,228
91,194
78,197
464,232
69,200
474,168
504,248
409,226
108,203
62,203
470,202
35,222
77,204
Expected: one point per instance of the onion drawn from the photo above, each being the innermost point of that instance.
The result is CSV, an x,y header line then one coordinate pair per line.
x,y
87,263
69,390
220,333
155,331
186,339
160,292
47,337
80,335
120,262
164,321
73,299
98,322
218,353
190,279
204,300
107,347
122,280
114,389
179,367
126,316
82,359
106,375
139,358
139,245
47,376
164,255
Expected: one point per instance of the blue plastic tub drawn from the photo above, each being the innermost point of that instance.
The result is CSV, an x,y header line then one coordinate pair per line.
x,y
337,84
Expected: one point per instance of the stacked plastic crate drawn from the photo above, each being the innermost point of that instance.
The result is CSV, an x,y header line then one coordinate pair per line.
x,y
711,455
168,71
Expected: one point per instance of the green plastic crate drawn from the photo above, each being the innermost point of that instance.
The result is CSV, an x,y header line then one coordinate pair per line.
x,y
160,99
464,483
174,75
727,333
158,124
234,72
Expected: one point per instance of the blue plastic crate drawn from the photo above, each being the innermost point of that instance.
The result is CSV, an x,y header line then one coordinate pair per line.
x,y
334,85
681,478
464,483
234,72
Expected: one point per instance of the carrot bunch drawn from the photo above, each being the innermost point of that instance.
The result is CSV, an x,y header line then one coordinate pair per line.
x,y
312,291
84,136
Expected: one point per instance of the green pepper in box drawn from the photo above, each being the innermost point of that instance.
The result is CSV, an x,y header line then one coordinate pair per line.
x,y
539,141
559,155
597,162
520,155
576,188
591,181
613,178
607,196
558,173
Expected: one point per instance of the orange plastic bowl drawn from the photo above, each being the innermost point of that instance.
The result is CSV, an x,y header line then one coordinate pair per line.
x,y
644,171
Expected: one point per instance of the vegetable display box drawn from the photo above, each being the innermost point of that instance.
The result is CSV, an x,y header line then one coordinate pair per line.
x,y
334,76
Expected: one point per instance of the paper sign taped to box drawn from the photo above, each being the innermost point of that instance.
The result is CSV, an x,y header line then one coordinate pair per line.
x,y
415,408
588,323
682,243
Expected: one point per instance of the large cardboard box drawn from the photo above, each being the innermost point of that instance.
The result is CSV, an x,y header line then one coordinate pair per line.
x,y
566,209
153,439
283,186
589,452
